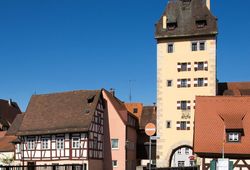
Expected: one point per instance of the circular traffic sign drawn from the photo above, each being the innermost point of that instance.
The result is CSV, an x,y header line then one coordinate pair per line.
x,y
150,129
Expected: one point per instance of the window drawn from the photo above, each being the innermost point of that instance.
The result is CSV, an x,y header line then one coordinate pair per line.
x,y
114,163
114,143
201,23
200,82
170,48
183,66
183,125
31,143
95,143
200,66
18,148
171,25
59,143
45,143
169,83
181,163
168,124
183,105
75,142
202,46
198,46
179,151
186,151
233,137
183,82
194,46
135,110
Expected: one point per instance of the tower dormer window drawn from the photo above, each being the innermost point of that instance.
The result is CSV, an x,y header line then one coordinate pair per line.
x,y
233,137
186,2
201,23
171,25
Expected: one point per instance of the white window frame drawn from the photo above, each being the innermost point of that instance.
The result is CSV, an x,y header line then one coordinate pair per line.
x,y
76,142
113,140
45,143
233,137
114,164
169,51
31,143
59,143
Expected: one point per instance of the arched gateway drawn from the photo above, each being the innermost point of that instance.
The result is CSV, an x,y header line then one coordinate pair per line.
x,y
182,156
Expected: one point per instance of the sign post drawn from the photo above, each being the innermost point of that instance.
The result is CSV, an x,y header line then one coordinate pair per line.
x,y
150,131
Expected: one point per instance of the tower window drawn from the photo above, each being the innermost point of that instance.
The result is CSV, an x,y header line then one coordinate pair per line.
x,y
171,26
201,23
194,46
200,82
202,46
168,124
169,83
170,48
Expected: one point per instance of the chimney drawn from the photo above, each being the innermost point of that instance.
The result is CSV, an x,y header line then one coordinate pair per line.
x,y
208,4
112,91
10,102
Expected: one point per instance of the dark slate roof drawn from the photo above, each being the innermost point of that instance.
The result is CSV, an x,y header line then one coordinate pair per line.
x,y
15,125
8,111
148,116
59,112
185,16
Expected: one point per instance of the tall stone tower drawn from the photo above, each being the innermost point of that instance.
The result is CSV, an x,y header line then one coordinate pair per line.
x,y
186,67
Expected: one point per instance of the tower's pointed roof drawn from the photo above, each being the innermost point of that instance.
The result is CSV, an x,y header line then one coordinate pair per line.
x,y
184,18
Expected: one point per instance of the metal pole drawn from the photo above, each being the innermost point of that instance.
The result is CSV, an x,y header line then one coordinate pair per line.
x,y
149,152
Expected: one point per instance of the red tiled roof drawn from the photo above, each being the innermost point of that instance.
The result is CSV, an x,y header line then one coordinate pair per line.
x,y
6,145
215,114
234,88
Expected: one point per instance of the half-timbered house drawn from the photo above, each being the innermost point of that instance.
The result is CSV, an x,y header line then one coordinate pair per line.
x,y
63,128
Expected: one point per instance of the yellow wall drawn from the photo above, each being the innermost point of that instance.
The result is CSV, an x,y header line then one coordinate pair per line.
x,y
167,97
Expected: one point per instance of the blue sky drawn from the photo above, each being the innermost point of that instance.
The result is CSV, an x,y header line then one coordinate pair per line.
x,y
60,45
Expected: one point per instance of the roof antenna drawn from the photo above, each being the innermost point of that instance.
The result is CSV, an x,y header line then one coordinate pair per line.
x,y
130,90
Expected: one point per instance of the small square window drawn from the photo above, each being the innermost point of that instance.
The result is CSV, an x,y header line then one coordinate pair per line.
x,y
183,66
202,46
114,143
184,83
169,83
234,136
183,125
114,163
179,151
135,110
200,82
168,124
200,66
170,48
181,163
194,46
183,105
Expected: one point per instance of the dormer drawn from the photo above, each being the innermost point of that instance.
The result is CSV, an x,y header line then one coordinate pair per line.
x,y
202,23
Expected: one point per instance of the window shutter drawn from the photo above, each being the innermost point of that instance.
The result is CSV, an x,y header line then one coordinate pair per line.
x,y
178,83
179,67
195,66
195,82
194,104
189,82
188,105
205,81
206,66
189,66
188,125
178,126
178,105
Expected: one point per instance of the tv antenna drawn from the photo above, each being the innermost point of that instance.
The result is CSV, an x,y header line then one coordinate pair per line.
x,y
130,90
